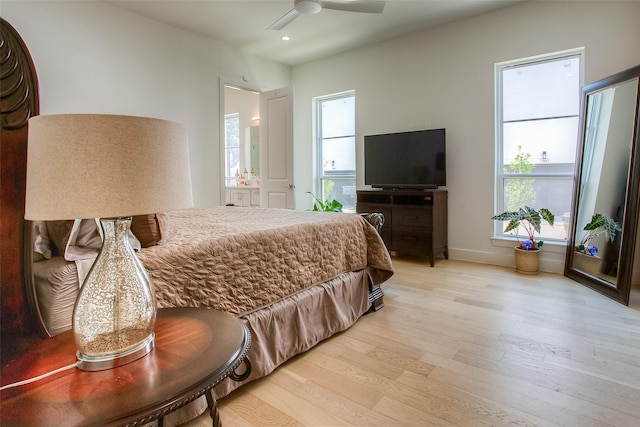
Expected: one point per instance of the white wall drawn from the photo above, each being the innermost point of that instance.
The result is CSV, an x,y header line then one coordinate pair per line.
x,y
92,57
444,77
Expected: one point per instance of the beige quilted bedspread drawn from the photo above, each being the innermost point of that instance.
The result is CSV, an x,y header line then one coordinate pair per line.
x,y
239,259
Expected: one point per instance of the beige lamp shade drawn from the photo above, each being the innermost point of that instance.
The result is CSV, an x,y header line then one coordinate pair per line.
x,y
103,166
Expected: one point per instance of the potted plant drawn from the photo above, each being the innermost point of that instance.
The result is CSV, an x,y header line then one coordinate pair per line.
x,y
325,206
586,258
527,252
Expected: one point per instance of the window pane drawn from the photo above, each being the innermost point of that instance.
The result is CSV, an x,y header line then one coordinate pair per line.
x,y
547,141
233,161
337,117
232,145
338,154
539,106
545,89
341,189
336,149
232,131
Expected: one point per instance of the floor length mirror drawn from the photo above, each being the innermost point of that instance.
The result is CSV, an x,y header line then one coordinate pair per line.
x,y
604,218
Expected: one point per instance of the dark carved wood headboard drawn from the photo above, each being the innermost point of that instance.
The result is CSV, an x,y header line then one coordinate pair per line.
x,y
18,102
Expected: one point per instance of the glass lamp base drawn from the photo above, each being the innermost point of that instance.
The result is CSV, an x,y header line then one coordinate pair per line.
x,y
115,311
97,363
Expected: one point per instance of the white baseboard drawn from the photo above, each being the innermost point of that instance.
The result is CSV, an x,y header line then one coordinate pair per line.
x,y
551,262
552,258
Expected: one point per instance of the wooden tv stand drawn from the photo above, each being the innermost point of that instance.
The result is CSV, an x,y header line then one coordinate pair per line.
x,y
415,221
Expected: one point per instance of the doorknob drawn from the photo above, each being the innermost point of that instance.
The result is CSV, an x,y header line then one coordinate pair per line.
x,y
291,186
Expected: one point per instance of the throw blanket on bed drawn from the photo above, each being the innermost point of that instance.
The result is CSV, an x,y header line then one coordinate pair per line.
x,y
242,259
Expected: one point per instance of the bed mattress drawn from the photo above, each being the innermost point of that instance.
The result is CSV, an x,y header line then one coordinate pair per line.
x,y
240,260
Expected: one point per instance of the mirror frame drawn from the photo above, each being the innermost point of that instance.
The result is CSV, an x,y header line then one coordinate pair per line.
x,y
621,289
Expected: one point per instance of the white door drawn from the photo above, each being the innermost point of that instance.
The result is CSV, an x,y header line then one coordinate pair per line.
x,y
276,149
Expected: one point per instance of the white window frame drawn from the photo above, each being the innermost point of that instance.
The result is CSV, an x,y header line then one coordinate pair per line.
x,y
319,169
500,175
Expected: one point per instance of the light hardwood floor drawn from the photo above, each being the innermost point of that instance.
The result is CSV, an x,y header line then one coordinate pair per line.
x,y
461,344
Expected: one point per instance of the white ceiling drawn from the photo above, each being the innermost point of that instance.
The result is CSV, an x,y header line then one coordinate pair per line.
x,y
243,23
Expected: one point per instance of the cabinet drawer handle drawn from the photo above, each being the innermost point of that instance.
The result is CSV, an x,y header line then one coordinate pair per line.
x,y
411,217
410,238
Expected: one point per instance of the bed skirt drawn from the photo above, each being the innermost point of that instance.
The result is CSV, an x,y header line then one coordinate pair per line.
x,y
290,327
294,325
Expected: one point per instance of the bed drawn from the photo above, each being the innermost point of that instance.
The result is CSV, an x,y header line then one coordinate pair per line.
x,y
294,278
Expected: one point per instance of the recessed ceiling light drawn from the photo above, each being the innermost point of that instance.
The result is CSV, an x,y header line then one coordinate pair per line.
x,y
285,38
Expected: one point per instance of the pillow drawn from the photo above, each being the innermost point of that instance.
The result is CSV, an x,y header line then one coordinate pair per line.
x,y
85,240
59,232
41,242
150,229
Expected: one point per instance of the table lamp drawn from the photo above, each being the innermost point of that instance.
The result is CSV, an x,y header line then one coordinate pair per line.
x,y
109,167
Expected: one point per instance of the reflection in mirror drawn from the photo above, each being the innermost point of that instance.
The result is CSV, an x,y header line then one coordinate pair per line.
x,y
241,135
605,169
604,219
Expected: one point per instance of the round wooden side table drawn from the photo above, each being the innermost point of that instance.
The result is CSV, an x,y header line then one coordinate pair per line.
x,y
195,349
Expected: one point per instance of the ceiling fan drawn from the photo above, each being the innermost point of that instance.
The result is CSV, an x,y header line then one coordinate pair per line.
x,y
311,7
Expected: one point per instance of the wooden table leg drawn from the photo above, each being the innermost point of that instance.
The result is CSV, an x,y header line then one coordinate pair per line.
x,y
213,409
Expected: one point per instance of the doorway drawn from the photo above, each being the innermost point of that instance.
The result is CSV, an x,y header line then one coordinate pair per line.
x,y
256,145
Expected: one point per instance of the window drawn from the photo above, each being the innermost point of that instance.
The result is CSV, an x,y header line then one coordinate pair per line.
x,y
336,149
537,112
231,147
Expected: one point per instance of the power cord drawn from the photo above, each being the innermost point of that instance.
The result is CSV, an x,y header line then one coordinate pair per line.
x,y
39,377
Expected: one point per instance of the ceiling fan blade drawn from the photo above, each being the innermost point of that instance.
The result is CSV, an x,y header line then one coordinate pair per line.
x,y
284,20
366,6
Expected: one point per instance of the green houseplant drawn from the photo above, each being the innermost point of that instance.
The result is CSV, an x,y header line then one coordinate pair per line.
x,y
600,224
325,206
586,258
527,252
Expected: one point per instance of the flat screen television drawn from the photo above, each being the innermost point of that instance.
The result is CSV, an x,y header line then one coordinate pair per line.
x,y
406,160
